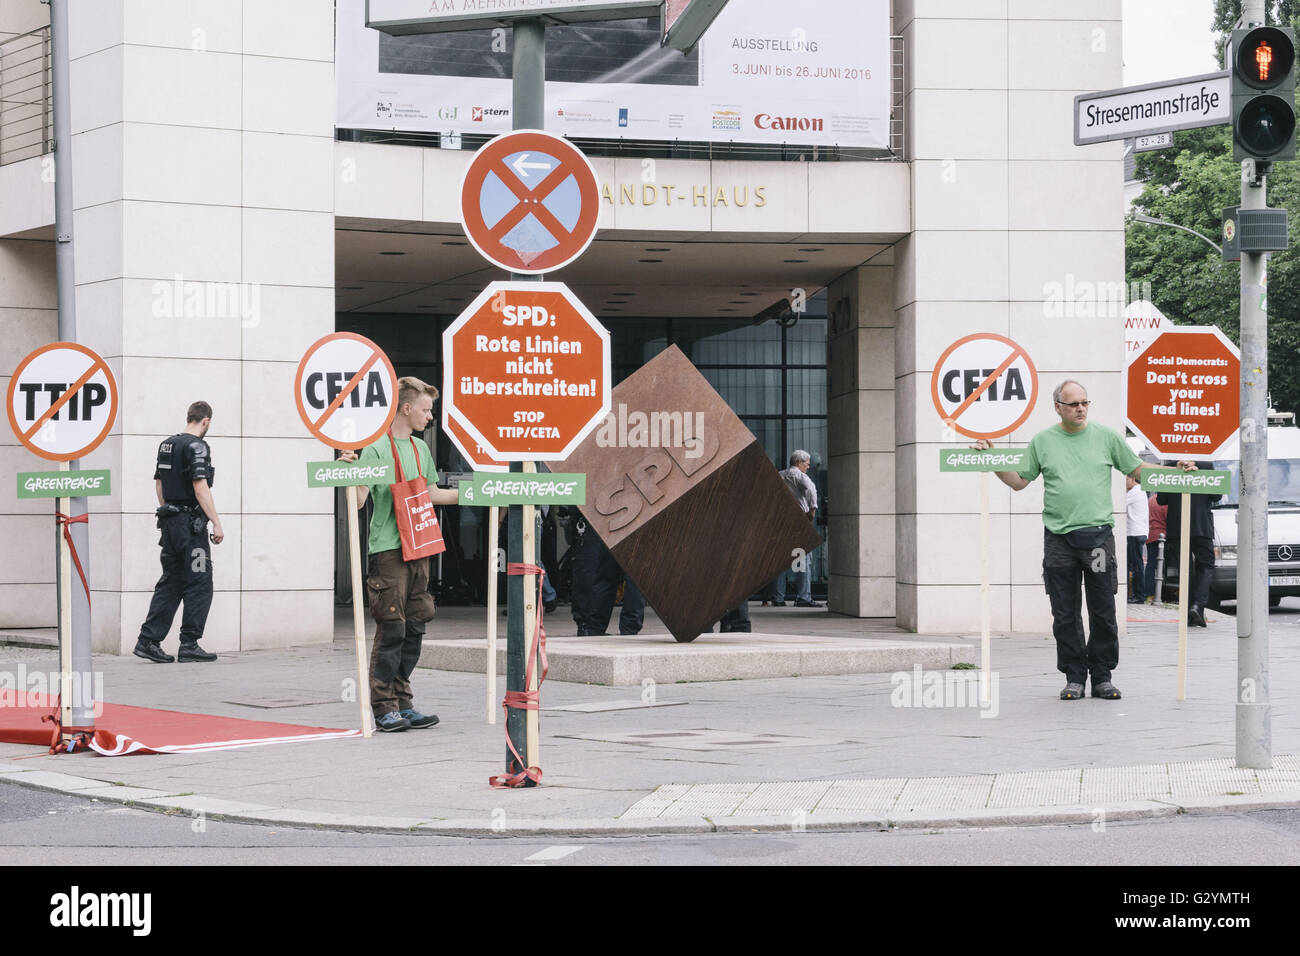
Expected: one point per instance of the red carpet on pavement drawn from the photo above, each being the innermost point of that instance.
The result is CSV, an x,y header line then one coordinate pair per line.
x,y
123,729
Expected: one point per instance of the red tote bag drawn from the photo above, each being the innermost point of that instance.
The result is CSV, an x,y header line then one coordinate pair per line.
x,y
417,522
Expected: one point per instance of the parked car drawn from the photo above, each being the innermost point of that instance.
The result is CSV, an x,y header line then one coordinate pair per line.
x,y
1283,519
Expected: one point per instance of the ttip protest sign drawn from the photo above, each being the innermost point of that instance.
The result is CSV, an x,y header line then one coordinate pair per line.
x,y
1183,393
527,371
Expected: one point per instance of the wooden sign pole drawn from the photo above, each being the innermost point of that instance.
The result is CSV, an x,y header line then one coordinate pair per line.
x,y
530,625
1184,587
358,620
985,652
64,506
494,543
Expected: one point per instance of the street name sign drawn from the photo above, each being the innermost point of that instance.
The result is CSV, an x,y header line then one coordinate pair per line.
x,y
400,17
64,484
984,385
1183,393
346,390
62,401
488,490
526,370
1199,482
1133,111
990,459
529,202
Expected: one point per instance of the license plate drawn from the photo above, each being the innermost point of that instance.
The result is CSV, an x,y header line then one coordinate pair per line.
x,y
1288,580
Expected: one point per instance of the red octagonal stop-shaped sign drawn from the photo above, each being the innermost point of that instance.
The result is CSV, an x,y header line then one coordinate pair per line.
x,y
1184,393
526,370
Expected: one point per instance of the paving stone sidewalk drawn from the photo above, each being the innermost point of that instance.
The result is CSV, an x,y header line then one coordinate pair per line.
x,y
850,750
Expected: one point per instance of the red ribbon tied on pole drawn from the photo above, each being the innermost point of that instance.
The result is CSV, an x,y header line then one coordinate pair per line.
x,y
525,699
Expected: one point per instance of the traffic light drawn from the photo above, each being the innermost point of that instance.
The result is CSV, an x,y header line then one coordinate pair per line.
x,y
1263,94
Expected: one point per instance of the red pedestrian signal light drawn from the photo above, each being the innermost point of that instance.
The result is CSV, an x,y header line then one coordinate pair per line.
x,y
1263,94
1263,57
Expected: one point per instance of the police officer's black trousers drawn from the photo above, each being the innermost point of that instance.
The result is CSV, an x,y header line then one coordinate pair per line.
x,y
1088,554
187,576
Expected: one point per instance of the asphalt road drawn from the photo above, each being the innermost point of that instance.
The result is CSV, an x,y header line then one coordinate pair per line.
x,y
1284,616
41,828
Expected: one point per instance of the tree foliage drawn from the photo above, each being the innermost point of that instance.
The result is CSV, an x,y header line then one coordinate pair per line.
x,y
1190,184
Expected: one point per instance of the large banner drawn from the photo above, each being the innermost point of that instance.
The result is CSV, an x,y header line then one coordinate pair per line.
x,y
767,71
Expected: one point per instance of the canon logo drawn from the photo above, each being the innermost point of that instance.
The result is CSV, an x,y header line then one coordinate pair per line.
x,y
802,123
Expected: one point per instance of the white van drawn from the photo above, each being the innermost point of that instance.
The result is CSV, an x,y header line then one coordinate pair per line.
x,y
1283,518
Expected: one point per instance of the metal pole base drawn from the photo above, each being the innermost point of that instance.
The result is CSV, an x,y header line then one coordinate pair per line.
x,y
1254,738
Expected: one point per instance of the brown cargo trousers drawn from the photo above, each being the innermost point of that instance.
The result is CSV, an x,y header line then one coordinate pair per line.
x,y
400,603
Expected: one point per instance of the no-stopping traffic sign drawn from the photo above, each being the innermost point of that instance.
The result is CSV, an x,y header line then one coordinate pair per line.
x,y
984,385
529,202
62,401
346,390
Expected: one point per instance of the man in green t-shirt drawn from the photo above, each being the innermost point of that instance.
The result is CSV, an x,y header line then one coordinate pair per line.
x,y
398,590
1075,459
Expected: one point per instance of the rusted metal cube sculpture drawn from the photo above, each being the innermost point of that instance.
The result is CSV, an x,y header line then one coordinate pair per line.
x,y
685,497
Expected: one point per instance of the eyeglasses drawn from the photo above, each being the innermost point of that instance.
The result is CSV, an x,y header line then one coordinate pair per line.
x,y
1084,404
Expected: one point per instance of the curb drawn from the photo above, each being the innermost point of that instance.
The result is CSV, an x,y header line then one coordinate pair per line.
x,y
225,810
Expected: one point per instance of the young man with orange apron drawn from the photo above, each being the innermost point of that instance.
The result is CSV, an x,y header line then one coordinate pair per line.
x,y
404,534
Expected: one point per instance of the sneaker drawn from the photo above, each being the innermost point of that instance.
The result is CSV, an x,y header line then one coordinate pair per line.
x,y
778,604
1105,690
808,604
391,722
1072,691
192,652
416,719
151,652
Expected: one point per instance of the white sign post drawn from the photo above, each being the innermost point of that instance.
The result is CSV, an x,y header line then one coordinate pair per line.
x,y
346,393
984,386
61,403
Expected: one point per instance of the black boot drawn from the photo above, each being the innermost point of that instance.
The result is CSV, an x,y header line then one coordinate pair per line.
x,y
1196,616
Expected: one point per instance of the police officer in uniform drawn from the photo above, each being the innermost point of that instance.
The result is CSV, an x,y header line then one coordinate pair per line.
x,y
183,483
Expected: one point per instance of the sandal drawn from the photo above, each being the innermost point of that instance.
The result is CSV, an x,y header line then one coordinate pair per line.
x,y
1106,690
1072,691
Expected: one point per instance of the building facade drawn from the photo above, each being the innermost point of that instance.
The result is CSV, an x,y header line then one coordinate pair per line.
x,y
223,223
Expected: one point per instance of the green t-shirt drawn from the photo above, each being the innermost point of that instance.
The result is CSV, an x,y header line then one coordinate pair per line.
x,y
383,523
1076,474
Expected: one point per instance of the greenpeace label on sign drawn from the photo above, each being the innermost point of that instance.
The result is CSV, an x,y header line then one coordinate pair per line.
x,y
487,490
993,459
1188,482
64,484
334,474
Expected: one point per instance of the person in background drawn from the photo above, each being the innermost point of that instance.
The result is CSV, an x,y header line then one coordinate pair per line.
x,y
805,492
1157,513
1200,546
1139,519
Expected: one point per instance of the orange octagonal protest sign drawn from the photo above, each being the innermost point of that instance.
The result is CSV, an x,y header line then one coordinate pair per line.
x,y
1184,393
526,371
